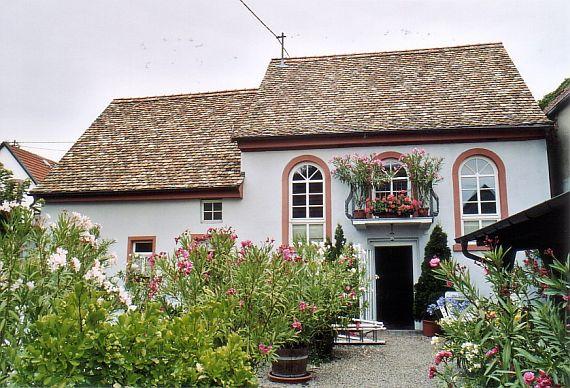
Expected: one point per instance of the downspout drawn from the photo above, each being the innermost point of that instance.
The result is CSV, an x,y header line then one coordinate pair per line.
x,y
466,253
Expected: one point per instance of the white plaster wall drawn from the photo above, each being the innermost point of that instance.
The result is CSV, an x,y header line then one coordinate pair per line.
x,y
258,215
10,163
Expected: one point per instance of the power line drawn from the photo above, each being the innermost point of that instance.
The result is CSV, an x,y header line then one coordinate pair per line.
x,y
280,39
44,142
41,148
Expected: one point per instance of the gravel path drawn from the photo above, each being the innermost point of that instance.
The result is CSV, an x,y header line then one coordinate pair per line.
x,y
402,362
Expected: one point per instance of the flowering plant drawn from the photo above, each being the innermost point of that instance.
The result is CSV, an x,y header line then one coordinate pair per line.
x,y
423,170
515,336
399,205
361,173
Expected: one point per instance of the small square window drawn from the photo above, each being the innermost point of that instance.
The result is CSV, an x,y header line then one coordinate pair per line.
x,y
212,210
139,250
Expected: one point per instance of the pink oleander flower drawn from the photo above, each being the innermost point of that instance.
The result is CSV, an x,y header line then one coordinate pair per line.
x,y
153,286
434,263
314,309
492,352
210,256
297,325
449,283
265,349
231,291
185,266
287,252
543,380
528,378
432,372
566,297
246,244
241,303
442,355
303,306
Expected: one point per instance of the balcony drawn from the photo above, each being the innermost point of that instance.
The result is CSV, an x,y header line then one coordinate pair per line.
x,y
421,219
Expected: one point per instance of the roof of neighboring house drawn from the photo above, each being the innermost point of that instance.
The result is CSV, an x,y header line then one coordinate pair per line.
x,y
36,166
163,143
559,102
441,88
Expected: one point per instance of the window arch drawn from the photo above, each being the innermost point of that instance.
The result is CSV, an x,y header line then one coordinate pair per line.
x,y
306,200
479,186
400,181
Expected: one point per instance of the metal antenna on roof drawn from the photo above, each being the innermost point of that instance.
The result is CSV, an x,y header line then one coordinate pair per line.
x,y
280,38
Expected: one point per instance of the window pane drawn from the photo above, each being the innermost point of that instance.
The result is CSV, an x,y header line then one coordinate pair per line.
x,y
488,222
317,176
299,212
217,216
468,183
487,182
299,188
217,206
299,232
400,185
384,187
487,195
315,199
208,216
315,187
470,226
298,177
469,168
208,206
488,208
316,232
299,200
401,172
316,212
470,208
142,247
483,167
468,195
311,171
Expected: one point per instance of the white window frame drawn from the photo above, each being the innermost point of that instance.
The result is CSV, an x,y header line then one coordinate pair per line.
x,y
480,217
378,194
143,264
307,221
203,211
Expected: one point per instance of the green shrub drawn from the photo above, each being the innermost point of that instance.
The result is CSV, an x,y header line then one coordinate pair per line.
x,y
514,337
428,288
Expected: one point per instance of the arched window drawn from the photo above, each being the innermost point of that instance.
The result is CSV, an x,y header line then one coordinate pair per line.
x,y
307,202
399,182
479,193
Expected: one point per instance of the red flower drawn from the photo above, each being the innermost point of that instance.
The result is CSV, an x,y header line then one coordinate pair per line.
x,y
264,349
432,372
442,355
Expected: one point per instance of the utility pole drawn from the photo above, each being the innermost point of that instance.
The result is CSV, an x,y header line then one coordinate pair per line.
x,y
281,39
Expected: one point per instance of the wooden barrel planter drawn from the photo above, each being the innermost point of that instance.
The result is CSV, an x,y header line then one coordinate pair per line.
x,y
290,366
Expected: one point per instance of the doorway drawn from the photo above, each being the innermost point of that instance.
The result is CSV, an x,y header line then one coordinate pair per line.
x,y
395,286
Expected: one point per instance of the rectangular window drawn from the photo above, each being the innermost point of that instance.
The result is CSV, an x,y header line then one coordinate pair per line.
x,y
138,252
212,210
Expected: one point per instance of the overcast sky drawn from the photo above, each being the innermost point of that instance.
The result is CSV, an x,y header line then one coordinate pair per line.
x,y
62,61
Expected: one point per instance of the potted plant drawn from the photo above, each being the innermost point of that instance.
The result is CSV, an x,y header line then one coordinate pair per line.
x,y
398,205
428,288
423,170
361,173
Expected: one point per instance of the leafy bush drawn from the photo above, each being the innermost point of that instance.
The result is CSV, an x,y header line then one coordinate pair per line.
x,y
428,288
516,336
282,297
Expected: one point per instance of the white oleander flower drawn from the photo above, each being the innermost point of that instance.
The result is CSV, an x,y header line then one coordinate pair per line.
x,y
31,285
58,259
16,285
75,264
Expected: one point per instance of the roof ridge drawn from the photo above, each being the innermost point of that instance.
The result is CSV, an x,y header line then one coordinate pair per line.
x,y
395,52
187,95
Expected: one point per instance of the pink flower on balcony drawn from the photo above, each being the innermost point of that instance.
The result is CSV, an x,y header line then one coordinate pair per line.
x,y
434,263
297,325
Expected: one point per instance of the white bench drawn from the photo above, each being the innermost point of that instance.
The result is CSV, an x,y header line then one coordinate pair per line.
x,y
361,332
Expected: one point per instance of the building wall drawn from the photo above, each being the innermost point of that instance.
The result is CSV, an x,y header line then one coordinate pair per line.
x,y
258,215
563,148
10,163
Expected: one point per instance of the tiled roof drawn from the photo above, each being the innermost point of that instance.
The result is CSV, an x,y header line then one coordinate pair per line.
x,y
453,87
37,166
156,143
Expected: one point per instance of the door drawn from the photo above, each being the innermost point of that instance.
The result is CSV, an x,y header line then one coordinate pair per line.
x,y
394,286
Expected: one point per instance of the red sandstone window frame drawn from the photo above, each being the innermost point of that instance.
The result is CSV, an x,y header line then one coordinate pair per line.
x,y
285,195
502,188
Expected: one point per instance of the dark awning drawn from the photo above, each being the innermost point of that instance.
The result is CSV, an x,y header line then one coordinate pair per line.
x,y
540,227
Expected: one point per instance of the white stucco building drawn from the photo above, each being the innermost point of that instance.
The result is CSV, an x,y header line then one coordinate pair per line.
x,y
260,160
